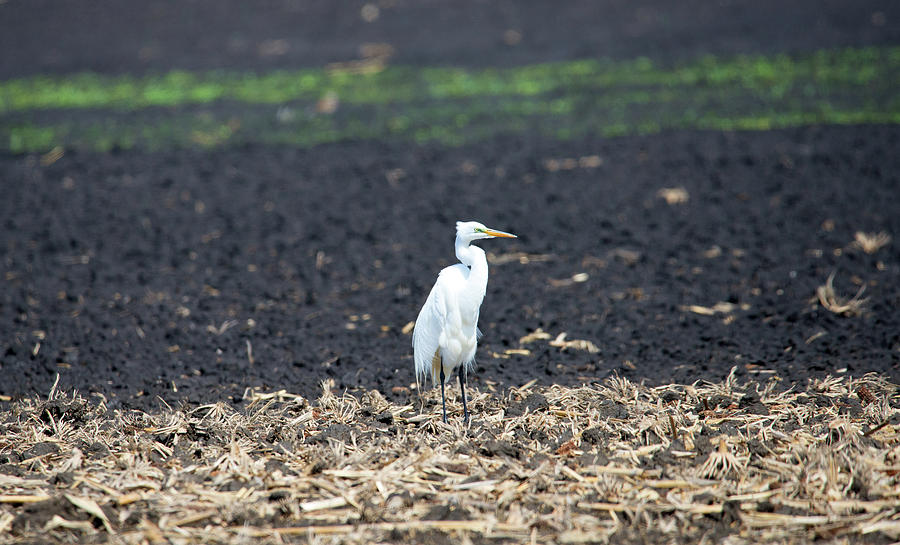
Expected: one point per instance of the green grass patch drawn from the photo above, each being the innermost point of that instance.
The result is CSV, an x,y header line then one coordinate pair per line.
x,y
448,104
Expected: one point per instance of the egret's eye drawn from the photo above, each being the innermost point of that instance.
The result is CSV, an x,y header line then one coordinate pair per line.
x,y
479,230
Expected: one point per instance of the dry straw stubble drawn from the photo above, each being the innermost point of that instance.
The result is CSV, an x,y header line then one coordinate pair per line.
x,y
609,461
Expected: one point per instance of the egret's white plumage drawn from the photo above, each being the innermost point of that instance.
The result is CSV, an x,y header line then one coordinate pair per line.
x,y
446,332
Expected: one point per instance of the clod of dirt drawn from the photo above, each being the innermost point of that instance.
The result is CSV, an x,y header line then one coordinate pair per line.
x,y
63,478
11,457
279,495
564,443
447,511
669,396
231,485
95,450
532,403
398,500
35,516
538,434
594,436
196,433
11,469
499,448
731,513
752,404
593,459
613,409
758,448
702,444
41,449
860,486
667,457
849,406
75,411
717,402
339,432
187,453
727,428
273,465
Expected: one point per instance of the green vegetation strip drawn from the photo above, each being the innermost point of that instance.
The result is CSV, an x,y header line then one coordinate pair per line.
x,y
449,105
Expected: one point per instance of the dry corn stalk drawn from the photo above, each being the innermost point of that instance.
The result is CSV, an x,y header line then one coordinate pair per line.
x,y
870,242
838,305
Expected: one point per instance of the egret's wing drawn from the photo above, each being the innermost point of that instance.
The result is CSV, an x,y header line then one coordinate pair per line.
x,y
427,332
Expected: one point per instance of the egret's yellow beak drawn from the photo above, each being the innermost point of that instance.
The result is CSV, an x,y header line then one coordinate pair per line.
x,y
500,234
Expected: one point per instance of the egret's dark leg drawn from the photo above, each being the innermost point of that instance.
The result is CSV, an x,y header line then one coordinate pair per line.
x,y
462,387
443,401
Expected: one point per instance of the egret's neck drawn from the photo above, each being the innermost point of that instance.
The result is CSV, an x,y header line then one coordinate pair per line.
x,y
474,258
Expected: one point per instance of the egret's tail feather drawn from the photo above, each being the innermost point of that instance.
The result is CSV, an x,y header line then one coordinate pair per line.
x,y
436,367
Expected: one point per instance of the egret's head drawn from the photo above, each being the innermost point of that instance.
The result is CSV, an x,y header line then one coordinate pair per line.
x,y
468,231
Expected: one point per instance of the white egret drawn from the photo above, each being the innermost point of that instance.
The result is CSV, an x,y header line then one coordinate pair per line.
x,y
446,331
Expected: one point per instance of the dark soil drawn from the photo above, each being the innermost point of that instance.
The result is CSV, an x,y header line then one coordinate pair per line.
x,y
193,275
44,36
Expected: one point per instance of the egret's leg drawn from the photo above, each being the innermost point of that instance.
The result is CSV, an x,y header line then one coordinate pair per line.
x,y
443,401
462,388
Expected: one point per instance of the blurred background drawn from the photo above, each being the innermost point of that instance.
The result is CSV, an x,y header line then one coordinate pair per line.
x,y
166,74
